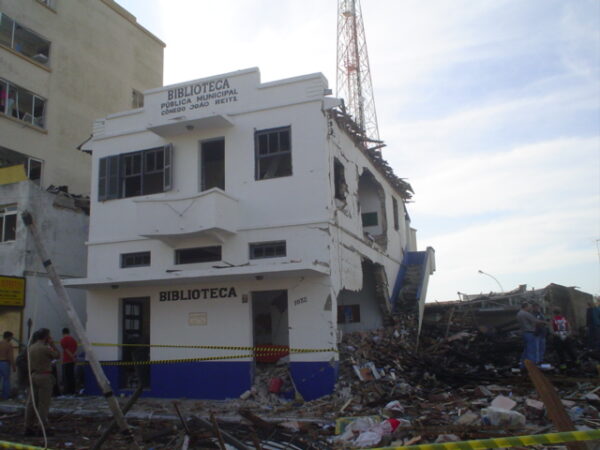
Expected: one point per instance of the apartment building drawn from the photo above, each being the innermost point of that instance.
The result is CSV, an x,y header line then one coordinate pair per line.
x,y
63,64
231,215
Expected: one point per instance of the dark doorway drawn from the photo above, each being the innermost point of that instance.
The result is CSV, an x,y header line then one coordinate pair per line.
x,y
212,164
270,322
136,330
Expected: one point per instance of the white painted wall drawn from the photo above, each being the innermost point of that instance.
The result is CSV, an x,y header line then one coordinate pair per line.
x,y
228,320
300,209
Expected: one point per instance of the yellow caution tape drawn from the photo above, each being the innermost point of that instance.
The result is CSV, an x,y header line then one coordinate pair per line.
x,y
516,441
166,361
17,446
262,349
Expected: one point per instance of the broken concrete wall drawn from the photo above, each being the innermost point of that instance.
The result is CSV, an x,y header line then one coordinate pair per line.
x,y
63,232
370,312
350,246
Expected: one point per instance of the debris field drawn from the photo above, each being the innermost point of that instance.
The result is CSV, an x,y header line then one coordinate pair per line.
x,y
456,383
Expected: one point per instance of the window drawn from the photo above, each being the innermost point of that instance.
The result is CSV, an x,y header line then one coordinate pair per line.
x,y
395,208
137,99
273,249
8,223
369,219
34,170
139,259
49,3
348,313
21,104
198,255
143,172
273,153
212,170
23,40
340,180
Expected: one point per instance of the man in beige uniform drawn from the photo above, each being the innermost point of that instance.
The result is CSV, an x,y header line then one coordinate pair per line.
x,y
41,354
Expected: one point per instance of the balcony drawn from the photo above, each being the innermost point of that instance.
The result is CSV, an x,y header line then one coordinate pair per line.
x,y
211,213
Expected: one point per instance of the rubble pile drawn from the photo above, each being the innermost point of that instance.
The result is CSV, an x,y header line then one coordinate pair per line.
x,y
452,385
455,383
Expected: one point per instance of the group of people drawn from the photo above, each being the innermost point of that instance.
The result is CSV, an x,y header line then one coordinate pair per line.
x,y
535,329
40,357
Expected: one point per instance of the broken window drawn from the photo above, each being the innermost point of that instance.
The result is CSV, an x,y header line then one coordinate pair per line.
x,y
273,153
212,164
348,313
198,255
138,259
395,208
137,99
341,188
34,170
267,250
8,223
369,219
371,200
138,173
23,40
21,104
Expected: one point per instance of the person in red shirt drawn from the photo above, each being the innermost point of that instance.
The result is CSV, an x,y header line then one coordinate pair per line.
x,y
69,346
561,338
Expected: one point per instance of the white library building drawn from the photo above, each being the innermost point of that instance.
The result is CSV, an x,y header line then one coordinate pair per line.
x,y
230,216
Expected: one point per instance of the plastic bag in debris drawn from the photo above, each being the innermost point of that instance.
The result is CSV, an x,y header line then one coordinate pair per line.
x,y
369,431
393,409
359,425
502,417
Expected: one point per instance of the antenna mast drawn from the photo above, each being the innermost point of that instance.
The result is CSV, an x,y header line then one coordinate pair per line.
x,y
353,80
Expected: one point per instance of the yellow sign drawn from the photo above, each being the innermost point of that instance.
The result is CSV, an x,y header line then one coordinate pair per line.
x,y
12,291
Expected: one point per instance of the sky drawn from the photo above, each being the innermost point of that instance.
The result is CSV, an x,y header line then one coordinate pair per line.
x,y
489,108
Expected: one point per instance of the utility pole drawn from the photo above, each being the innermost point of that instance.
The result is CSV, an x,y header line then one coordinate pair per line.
x,y
353,79
63,297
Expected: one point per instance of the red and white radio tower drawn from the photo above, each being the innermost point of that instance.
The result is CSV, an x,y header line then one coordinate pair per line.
x,y
353,81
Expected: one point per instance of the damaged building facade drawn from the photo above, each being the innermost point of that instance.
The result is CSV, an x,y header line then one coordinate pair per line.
x,y
231,216
63,64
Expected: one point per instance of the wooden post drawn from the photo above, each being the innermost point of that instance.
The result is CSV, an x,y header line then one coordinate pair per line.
x,y
554,407
112,425
63,297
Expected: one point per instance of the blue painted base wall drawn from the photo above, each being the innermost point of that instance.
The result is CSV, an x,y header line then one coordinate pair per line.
x,y
218,380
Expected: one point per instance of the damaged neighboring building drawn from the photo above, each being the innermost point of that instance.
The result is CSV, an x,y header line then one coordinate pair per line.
x,y
496,311
230,215
62,65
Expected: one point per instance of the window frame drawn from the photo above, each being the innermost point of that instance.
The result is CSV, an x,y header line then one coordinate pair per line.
x,y
253,246
14,45
142,254
178,254
260,157
8,211
395,213
355,309
112,176
369,216
203,178
6,87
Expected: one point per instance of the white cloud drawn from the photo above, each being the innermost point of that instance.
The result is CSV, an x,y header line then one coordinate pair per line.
x,y
532,177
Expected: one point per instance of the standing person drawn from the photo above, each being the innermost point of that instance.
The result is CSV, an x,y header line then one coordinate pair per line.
x,y
69,347
592,320
561,339
7,362
541,332
527,323
41,354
